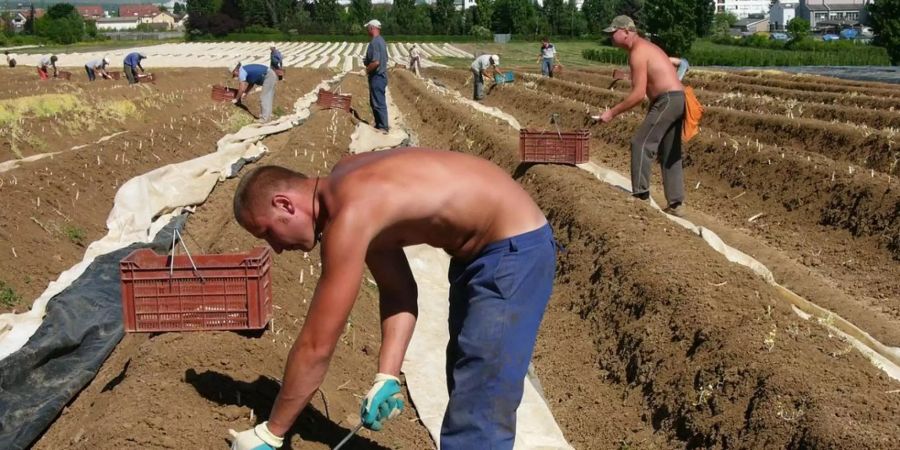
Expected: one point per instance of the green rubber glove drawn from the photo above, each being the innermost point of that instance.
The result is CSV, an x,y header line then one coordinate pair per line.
x,y
383,402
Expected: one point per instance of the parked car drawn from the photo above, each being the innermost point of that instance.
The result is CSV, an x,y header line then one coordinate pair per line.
x,y
778,36
849,33
830,37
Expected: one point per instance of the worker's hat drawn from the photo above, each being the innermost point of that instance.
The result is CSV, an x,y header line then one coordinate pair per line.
x,y
495,59
373,23
620,23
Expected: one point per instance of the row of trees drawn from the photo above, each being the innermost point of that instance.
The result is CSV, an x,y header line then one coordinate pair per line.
x,y
61,24
673,24
519,17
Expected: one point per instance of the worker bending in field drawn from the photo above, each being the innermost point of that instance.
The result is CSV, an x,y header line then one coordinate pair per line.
x,y
131,64
659,136
364,213
480,68
44,66
256,75
415,59
97,66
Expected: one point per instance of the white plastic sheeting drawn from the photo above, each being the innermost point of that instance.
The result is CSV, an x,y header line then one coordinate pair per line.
x,y
15,163
146,203
425,358
882,356
226,55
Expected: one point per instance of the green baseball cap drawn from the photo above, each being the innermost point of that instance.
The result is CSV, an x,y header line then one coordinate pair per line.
x,y
620,22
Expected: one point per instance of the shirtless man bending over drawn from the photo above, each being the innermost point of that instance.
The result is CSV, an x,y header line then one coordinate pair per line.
x,y
659,137
364,213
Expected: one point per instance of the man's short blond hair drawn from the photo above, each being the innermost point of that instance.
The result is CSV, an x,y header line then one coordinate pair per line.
x,y
259,185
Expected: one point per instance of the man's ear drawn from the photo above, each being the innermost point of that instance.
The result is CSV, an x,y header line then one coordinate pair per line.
x,y
283,202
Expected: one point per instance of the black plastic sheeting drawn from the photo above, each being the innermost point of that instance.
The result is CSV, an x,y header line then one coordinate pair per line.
x,y
82,326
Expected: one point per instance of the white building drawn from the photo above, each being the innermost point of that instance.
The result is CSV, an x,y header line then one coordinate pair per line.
x,y
118,23
742,8
781,13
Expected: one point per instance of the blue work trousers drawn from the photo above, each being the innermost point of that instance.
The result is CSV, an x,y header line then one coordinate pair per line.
x,y
377,86
547,67
497,301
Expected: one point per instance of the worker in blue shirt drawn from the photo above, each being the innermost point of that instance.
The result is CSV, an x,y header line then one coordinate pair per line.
x,y
256,75
133,62
376,62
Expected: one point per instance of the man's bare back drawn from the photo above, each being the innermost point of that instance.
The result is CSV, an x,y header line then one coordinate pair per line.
x,y
652,74
364,213
444,199
661,74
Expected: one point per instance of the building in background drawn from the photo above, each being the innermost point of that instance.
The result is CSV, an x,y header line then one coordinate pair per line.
x,y
781,13
92,12
743,8
823,14
19,17
117,23
755,23
161,20
140,11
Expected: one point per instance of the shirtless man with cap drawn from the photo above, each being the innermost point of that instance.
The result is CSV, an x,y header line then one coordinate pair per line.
x,y
659,136
364,213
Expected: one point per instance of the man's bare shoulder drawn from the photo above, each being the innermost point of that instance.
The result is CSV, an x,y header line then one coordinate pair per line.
x,y
639,53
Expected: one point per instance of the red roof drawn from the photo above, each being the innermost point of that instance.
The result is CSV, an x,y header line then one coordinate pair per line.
x,y
138,10
90,12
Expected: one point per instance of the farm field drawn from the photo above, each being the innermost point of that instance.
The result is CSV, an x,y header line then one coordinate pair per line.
x,y
652,339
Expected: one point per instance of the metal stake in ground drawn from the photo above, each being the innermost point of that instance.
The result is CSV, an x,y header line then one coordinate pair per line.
x,y
347,438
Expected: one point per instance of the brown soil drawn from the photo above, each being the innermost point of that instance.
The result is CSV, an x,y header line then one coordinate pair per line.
x,y
797,196
679,351
186,390
822,84
869,148
54,207
652,340
705,81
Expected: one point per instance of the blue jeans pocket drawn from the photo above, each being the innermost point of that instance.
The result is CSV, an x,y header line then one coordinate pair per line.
x,y
506,276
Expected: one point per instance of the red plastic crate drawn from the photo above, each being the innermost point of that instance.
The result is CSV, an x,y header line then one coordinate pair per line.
x,y
330,100
115,75
147,78
571,147
223,94
234,293
64,75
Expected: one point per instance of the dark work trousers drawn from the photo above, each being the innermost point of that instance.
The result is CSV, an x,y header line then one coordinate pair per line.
x,y
131,74
478,84
659,138
90,73
497,300
377,86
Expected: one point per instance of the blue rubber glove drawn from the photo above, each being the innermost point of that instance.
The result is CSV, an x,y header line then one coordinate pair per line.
x,y
383,402
257,438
